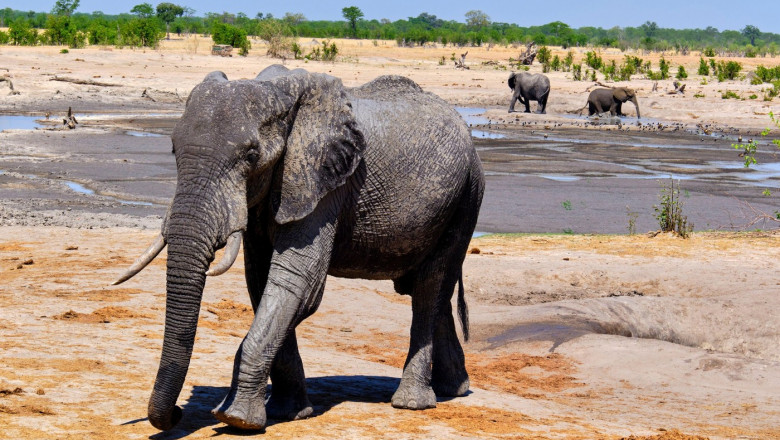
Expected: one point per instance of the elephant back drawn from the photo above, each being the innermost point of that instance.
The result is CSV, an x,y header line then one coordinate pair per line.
x,y
386,87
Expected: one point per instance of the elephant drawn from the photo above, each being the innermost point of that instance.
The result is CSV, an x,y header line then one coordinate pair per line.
x,y
528,86
612,99
379,181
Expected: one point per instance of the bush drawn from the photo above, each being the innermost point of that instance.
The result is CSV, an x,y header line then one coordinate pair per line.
x,y
768,74
223,33
142,32
727,70
709,52
4,37
568,62
278,36
728,94
576,72
663,66
681,73
669,213
593,60
704,68
555,64
543,55
327,53
21,33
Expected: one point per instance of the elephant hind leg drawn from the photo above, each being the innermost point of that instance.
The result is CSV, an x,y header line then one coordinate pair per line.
x,y
449,376
543,103
289,399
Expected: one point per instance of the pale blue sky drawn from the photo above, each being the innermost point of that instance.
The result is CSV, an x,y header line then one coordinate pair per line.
x,y
722,14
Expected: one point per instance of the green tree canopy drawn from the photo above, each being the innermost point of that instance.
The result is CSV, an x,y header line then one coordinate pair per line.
x,y
65,7
144,10
352,14
751,32
167,12
477,19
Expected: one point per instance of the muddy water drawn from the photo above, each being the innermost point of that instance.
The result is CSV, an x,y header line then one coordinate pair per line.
x,y
562,180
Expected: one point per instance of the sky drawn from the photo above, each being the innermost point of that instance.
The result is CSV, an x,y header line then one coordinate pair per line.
x,y
721,14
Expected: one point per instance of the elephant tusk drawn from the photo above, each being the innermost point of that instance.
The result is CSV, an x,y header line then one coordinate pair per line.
x,y
143,260
231,252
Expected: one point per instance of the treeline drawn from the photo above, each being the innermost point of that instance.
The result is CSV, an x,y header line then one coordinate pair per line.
x,y
145,25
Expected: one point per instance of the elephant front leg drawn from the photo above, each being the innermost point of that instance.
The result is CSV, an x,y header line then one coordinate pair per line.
x,y
296,278
289,399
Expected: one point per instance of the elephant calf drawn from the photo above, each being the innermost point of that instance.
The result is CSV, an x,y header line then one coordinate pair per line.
x,y
601,100
529,86
379,181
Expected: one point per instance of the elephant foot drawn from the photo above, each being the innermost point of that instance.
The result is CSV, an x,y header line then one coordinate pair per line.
x,y
243,414
449,387
282,406
414,397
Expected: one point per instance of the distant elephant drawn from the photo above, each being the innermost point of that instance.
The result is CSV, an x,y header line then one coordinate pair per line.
x,y
601,100
380,182
529,86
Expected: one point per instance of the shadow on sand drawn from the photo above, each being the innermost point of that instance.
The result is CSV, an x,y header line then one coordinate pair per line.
x,y
324,392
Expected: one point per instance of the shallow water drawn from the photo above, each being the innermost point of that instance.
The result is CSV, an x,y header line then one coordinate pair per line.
x,y
18,122
472,117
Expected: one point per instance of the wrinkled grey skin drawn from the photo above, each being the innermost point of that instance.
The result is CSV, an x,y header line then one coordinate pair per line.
x,y
529,86
377,182
601,100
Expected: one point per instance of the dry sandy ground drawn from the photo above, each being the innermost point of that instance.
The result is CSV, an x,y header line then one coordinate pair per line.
x,y
574,336
571,340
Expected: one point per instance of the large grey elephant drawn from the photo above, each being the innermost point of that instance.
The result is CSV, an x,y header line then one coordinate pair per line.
x,y
612,99
529,86
380,182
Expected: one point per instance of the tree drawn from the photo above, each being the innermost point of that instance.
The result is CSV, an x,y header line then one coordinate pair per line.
x,y
144,10
751,32
477,19
294,19
352,14
65,7
167,12
649,28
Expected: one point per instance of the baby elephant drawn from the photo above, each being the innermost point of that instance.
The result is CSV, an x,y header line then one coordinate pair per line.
x,y
601,100
528,86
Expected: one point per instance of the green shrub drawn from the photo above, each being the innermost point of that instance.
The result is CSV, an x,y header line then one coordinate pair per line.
x,y
223,33
327,53
555,64
698,95
64,50
727,70
593,60
576,72
663,66
767,74
568,62
704,68
728,94
609,71
4,37
543,55
753,96
21,33
681,73
709,52
670,214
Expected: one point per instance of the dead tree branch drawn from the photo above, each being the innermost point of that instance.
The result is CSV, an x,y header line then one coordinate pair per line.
x,y
85,82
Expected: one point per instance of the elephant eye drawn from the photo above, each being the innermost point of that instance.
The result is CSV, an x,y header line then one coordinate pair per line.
x,y
252,156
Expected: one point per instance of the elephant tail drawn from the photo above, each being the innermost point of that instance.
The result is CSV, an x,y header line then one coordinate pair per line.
x,y
463,308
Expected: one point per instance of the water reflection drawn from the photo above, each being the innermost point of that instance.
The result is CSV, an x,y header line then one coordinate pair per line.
x,y
17,122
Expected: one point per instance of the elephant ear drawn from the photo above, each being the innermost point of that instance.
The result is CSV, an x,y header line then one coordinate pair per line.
x,y
511,81
324,146
620,94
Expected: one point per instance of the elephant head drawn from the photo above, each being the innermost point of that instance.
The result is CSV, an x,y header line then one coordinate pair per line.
x,y
275,145
624,94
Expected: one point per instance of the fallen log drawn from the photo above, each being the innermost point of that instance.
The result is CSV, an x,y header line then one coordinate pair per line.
x,y
85,82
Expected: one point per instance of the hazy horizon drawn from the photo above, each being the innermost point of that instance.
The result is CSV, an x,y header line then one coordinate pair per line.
x,y
606,14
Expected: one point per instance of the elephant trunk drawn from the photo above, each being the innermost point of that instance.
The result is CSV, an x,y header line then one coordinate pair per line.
x,y
636,104
191,247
